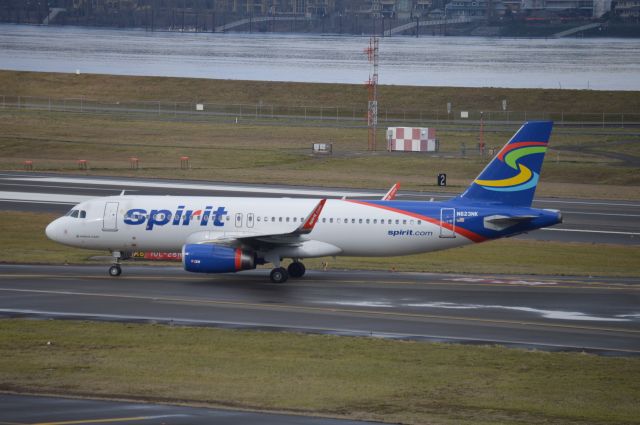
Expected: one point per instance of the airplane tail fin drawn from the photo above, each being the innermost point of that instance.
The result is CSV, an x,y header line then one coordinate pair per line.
x,y
512,176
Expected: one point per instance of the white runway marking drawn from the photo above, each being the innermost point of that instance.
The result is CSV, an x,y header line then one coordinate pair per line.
x,y
548,314
503,281
204,187
600,213
56,198
610,204
591,231
363,304
630,316
63,187
37,202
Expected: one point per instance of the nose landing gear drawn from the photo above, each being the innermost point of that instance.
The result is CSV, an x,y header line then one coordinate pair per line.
x,y
115,270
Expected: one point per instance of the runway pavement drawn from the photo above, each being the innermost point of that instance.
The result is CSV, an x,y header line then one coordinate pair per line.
x,y
591,221
550,313
34,410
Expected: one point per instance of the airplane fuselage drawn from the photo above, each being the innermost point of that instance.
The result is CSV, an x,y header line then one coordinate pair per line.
x,y
346,227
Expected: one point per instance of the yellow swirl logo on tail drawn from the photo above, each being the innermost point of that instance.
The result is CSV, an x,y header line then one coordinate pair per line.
x,y
510,155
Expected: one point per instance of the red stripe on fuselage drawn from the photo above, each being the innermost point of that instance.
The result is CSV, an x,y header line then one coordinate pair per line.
x,y
459,230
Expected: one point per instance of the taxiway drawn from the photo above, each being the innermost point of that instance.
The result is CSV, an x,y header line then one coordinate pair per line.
x,y
550,313
38,410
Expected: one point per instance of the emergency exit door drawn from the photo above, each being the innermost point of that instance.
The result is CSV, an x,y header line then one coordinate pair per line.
x,y
447,223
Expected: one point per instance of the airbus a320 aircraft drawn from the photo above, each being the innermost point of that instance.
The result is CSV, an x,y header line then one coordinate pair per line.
x,y
221,235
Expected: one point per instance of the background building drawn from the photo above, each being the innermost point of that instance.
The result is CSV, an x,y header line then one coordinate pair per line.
x,y
628,10
336,16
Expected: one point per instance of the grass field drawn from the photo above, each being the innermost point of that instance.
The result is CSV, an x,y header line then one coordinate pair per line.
x,y
391,381
121,88
594,163
24,241
255,153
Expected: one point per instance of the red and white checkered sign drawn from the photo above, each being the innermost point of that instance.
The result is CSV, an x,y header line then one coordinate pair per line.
x,y
411,139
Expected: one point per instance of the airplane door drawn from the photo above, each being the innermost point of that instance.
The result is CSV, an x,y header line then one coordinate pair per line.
x,y
110,218
238,219
447,223
250,220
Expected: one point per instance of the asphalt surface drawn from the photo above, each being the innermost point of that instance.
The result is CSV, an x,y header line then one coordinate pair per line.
x,y
591,221
35,410
550,313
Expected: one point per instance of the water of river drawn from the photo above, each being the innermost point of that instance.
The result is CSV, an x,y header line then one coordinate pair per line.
x,y
598,64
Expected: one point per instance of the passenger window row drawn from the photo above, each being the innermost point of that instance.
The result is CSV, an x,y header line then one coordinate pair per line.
x,y
280,219
332,220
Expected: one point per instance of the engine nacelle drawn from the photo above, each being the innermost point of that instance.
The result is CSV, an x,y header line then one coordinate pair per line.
x,y
211,258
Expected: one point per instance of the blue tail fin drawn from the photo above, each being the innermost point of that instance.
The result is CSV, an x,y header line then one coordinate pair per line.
x,y
511,177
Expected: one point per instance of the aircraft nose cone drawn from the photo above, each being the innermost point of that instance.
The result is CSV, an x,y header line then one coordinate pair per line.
x,y
53,231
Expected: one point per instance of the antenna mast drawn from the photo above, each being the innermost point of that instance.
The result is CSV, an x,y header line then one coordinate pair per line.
x,y
372,86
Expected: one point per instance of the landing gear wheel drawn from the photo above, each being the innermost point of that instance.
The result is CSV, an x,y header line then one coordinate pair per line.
x,y
296,269
279,275
115,270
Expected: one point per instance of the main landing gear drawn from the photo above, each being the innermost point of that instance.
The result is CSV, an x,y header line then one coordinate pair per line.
x,y
280,274
296,269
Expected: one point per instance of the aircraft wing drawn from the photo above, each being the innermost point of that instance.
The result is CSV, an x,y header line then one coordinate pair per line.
x,y
251,238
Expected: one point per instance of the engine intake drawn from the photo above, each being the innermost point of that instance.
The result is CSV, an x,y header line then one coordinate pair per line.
x,y
211,258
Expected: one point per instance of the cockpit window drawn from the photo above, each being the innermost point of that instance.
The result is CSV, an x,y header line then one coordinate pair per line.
x,y
76,214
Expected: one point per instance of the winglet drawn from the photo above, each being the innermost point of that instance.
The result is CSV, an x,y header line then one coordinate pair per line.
x,y
391,194
312,218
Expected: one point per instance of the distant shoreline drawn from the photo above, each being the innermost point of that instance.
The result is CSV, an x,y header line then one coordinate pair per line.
x,y
608,30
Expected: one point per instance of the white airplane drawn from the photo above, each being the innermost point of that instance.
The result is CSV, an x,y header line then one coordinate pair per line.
x,y
221,235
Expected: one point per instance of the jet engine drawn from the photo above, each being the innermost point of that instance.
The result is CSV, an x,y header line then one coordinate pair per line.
x,y
212,258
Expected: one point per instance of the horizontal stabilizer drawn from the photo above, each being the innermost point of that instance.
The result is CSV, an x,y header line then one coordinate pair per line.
x,y
501,222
